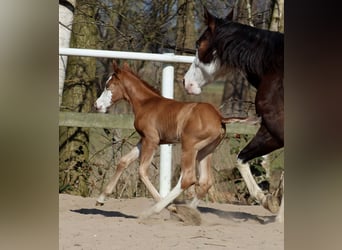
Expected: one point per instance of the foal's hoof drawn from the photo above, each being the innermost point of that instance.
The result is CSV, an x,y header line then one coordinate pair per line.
x,y
99,203
172,208
188,215
271,203
146,214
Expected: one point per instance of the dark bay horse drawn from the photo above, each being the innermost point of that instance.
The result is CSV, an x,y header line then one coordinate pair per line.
x,y
259,54
199,127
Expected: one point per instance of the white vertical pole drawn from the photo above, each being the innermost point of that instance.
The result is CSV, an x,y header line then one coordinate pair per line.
x,y
166,149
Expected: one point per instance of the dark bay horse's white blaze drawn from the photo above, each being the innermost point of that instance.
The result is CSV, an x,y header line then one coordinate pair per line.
x,y
199,127
259,54
199,74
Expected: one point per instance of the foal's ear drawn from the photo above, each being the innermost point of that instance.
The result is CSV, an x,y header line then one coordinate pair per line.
x,y
126,66
209,19
115,66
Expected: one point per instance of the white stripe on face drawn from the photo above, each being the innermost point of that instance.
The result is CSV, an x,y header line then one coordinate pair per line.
x,y
110,78
105,100
200,74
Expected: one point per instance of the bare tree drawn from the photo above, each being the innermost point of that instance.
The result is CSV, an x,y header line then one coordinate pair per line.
x,y
78,96
265,14
186,36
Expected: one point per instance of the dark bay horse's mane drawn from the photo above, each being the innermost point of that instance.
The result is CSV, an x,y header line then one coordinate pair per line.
x,y
253,50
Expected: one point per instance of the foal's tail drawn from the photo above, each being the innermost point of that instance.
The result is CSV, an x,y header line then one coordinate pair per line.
x,y
248,120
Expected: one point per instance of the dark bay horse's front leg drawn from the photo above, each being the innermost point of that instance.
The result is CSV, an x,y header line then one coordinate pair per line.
x,y
124,162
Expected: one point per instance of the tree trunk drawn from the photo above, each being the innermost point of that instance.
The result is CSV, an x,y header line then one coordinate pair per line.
x,y
277,23
238,94
78,96
186,38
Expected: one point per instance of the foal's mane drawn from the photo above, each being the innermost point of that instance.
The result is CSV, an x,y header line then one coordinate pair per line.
x,y
153,89
253,50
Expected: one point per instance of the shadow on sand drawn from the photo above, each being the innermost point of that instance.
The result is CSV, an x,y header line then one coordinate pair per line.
x,y
237,215
95,211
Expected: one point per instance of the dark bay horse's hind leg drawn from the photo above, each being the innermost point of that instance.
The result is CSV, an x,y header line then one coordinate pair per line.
x,y
262,144
269,103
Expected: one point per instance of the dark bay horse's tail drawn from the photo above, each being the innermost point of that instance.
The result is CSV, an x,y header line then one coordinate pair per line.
x,y
248,120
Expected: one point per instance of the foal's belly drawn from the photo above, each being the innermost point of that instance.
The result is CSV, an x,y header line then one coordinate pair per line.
x,y
169,137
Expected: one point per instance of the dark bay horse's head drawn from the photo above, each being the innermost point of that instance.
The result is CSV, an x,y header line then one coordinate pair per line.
x,y
206,66
112,92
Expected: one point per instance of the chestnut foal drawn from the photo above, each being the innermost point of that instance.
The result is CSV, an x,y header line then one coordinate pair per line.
x,y
199,127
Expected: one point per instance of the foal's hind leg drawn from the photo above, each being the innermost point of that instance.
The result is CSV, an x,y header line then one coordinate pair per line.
x,y
204,157
123,164
186,179
205,180
263,143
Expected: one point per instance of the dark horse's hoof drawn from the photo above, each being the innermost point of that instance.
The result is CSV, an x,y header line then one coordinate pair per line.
x,y
272,204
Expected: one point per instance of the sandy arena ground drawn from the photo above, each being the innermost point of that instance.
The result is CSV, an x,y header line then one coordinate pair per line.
x,y
115,225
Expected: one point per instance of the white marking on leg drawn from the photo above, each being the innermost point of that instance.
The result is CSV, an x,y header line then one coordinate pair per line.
x,y
252,186
101,199
175,192
194,203
266,165
205,180
124,162
280,215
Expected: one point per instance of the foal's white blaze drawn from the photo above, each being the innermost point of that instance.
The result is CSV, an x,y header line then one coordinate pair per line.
x,y
200,74
105,99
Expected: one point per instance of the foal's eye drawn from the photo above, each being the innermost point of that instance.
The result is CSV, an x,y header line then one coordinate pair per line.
x,y
197,45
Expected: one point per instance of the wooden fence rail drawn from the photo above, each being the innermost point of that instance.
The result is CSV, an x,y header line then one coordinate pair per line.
x,y
125,121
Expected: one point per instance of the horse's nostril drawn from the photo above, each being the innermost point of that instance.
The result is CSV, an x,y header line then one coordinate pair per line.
x,y
183,82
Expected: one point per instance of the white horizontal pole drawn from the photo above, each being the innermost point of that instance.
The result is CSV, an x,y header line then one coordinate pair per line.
x,y
126,55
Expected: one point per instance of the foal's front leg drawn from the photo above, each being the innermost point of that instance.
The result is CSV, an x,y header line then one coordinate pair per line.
x,y
124,162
